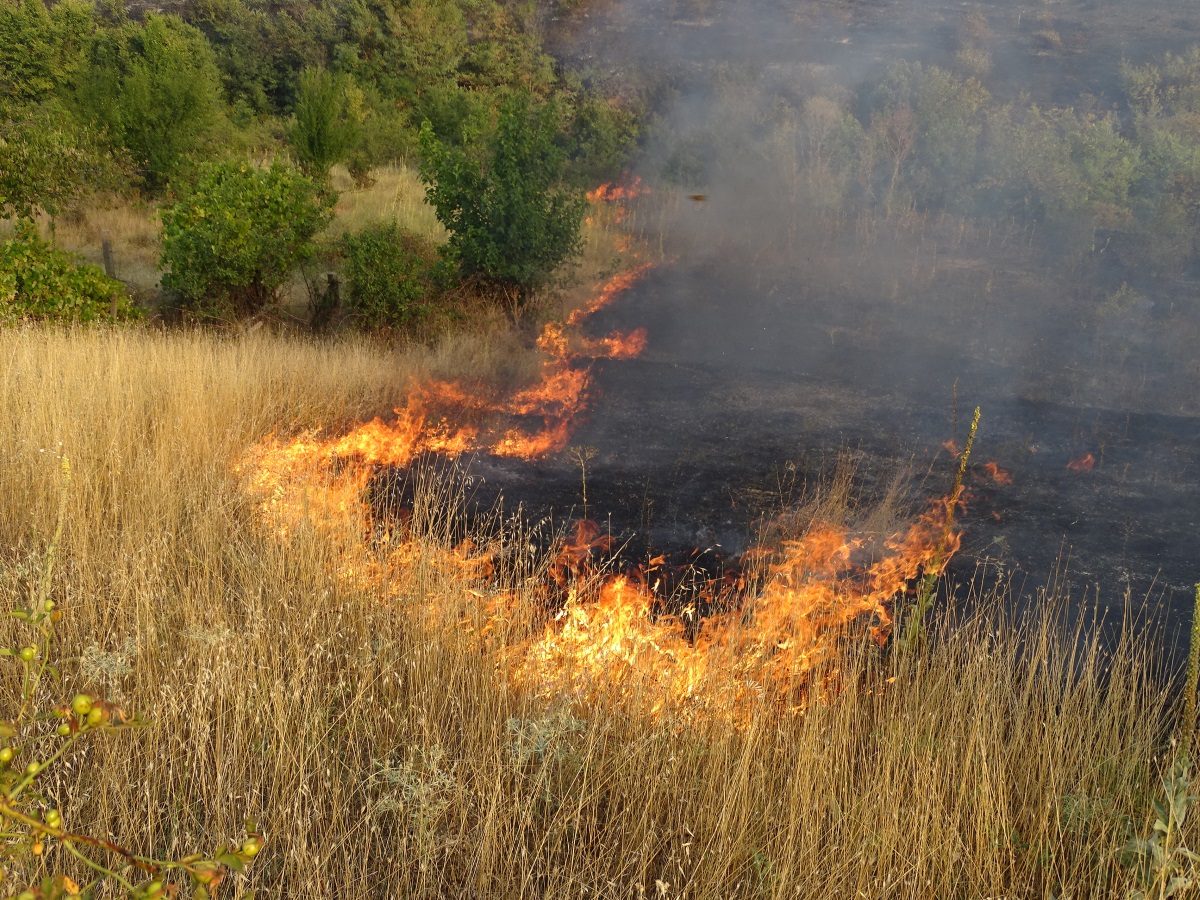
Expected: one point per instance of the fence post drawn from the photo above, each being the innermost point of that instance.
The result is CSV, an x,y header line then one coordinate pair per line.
x,y
106,252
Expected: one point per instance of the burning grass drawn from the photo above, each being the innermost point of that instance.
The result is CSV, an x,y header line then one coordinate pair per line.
x,y
371,725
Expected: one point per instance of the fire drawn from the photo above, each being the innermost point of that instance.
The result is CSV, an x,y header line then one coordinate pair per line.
x,y
611,193
779,618
997,474
817,592
314,477
1082,464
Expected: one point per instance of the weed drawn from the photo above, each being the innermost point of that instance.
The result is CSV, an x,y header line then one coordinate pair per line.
x,y
1161,864
30,757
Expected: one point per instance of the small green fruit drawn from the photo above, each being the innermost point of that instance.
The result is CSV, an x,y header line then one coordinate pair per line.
x,y
28,654
6,755
82,704
64,729
49,605
251,846
33,768
53,818
95,716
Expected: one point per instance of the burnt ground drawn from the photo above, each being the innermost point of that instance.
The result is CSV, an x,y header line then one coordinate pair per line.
x,y
742,401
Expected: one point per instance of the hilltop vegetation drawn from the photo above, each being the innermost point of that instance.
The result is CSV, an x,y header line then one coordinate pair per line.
x,y
96,100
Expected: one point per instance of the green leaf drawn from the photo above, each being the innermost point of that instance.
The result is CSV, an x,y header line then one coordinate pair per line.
x,y
229,860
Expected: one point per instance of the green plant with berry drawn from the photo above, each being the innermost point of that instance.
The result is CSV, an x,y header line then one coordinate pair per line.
x,y
35,739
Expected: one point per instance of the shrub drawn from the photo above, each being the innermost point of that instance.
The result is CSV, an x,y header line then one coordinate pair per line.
x,y
389,274
232,239
509,223
157,91
325,125
38,281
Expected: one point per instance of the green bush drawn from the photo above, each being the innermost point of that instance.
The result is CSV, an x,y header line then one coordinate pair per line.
x,y
499,197
230,242
156,90
326,123
389,274
38,281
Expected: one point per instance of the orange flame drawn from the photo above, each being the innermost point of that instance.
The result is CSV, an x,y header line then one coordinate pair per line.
x,y
1083,464
997,474
610,634
610,193
817,593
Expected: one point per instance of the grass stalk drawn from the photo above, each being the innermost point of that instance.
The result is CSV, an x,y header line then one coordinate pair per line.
x,y
914,621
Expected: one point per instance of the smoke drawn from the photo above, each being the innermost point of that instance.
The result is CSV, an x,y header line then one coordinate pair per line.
x,y
877,221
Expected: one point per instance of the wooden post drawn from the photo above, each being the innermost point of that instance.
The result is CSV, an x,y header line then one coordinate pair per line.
x,y
106,252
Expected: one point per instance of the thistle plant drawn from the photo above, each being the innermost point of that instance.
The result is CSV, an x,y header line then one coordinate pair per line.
x,y
1161,864
34,740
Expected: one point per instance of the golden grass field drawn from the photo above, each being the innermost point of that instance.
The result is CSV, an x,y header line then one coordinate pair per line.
x,y
384,750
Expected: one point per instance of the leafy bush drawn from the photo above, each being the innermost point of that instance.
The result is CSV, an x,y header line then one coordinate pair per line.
x,y
389,274
232,239
47,162
155,88
38,281
326,124
497,196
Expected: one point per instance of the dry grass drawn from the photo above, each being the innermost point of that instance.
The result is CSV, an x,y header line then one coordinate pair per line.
x,y
397,195
386,755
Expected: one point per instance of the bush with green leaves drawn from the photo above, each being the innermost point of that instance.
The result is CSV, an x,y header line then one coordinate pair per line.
x,y
232,239
156,90
326,120
39,281
500,196
389,274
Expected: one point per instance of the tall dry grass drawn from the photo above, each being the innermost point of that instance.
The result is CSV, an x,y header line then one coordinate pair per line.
x,y
396,195
384,752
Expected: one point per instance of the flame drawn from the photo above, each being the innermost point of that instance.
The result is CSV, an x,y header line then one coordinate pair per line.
x,y
319,478
819,591
997,474
1082,464
612,193
779,618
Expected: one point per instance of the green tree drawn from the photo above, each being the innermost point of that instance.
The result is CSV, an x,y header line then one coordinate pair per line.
x,y
230,242
929,122
326,124
48,162
510,222
262,46
40,48
156,89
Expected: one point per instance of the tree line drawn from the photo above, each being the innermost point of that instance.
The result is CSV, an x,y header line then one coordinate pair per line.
x,y
177,105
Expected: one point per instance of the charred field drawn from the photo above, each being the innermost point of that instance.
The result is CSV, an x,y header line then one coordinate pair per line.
x,y
759,383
